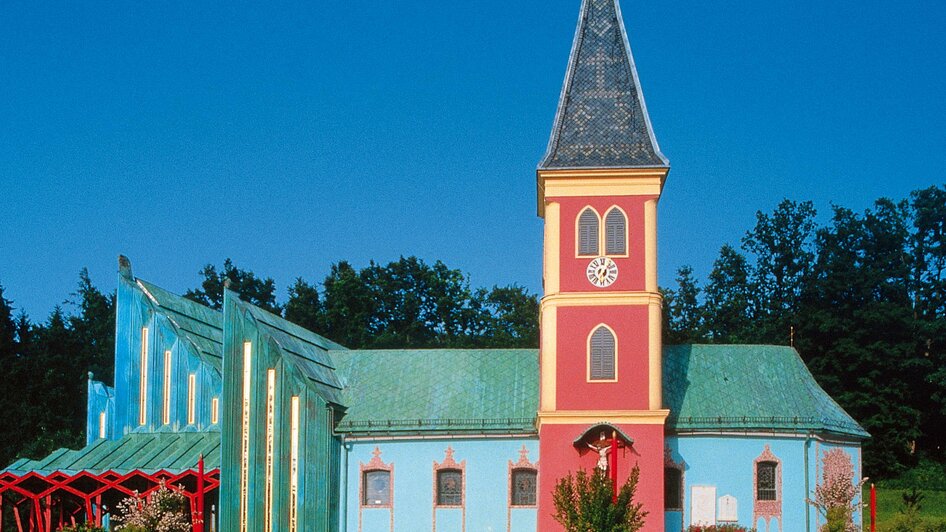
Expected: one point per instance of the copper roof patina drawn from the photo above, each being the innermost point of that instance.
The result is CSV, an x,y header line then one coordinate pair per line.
x,y
602,121
147,452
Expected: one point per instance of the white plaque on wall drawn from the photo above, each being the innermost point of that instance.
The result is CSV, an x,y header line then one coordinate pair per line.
x,y
727,508
703,505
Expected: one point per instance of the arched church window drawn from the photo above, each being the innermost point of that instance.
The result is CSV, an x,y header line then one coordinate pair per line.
x,y
449,487
377,488
766,486
523,487
615,232
588,232
602,353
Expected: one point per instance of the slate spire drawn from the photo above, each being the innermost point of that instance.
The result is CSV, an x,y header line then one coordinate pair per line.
x,y
601,120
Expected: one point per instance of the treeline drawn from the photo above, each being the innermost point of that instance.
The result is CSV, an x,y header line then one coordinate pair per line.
x,y
45,371
863,299
405,304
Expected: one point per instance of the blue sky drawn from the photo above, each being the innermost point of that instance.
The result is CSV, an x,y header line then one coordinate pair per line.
x,y
290,135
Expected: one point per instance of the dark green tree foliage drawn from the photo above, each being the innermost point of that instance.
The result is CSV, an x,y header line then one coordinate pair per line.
x,y
304,307
730,299
857,332
782,246
863,298
583,503
411,304
260,292
685,315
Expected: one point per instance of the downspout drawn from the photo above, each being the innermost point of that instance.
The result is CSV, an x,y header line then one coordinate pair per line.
x,y
807,485
343,486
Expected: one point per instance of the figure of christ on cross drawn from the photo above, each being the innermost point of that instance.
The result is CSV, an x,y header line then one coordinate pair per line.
x,y
608,459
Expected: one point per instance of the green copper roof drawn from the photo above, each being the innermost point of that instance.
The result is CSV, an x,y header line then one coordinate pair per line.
x,y
151,452
200,325
305,350
746,388
439,390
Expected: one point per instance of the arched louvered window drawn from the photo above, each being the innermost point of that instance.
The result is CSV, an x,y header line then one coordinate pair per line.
x,y
602,367
588,232
615,232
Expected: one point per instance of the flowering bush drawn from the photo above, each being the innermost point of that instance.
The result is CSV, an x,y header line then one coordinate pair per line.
x,y
719,528
834,497
162,511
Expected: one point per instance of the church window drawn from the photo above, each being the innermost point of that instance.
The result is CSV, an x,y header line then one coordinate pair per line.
x,y
766,486
449,487
588,232
143,379
615,232
377,490
673,489
191,399
166,411
523,487
601,355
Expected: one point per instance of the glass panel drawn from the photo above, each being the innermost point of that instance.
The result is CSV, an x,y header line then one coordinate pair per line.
x,y
450,487
765,481
523,487
377,488
672,489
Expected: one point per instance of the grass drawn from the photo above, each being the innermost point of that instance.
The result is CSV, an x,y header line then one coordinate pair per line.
x,y
889,503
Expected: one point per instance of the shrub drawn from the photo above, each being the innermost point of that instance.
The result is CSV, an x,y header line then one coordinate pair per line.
x,y
84,527
583,503
162,511
719,528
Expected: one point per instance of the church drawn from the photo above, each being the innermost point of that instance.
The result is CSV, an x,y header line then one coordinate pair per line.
x,y
266,426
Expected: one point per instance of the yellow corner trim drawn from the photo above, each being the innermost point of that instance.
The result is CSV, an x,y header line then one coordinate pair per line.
x,y
601,299
590,417
599,182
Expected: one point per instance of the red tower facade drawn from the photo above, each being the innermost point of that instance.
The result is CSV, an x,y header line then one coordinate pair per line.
x,y
598,187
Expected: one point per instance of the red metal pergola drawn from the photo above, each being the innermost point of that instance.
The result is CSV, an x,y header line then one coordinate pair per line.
x,y
44,503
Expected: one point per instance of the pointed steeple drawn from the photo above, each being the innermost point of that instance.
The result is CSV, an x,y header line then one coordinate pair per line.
x,y
601,120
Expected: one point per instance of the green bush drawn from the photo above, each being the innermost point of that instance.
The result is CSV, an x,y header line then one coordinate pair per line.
x,y
719,528
83,528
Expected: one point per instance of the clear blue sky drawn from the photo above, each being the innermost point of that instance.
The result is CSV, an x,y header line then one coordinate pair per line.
x,y
290,135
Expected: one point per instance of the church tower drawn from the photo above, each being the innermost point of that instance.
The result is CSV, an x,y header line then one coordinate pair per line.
x,y
598,187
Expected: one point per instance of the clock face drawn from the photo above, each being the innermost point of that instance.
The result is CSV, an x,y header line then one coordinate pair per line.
x,y
602,272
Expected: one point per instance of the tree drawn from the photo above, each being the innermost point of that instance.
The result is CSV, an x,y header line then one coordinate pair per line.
x,y
684,322
782,246
857,333
730,299
583,503
260,292
512,316
93,330
304,307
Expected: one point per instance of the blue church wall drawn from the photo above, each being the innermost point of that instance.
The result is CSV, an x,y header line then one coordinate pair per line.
x,y
727,464
99,412
135,313
486,485
279,463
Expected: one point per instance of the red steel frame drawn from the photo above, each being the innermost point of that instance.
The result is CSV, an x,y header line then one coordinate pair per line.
x,y
78,497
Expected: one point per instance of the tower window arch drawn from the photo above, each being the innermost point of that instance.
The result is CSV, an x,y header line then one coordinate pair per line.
x,y
588,232
602,352
615,232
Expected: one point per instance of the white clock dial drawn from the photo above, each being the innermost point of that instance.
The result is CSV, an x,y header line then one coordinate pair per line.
x,y
602,272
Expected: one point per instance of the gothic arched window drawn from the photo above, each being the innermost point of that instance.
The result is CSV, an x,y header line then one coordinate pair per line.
x,y
602,351
588,232
615,232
